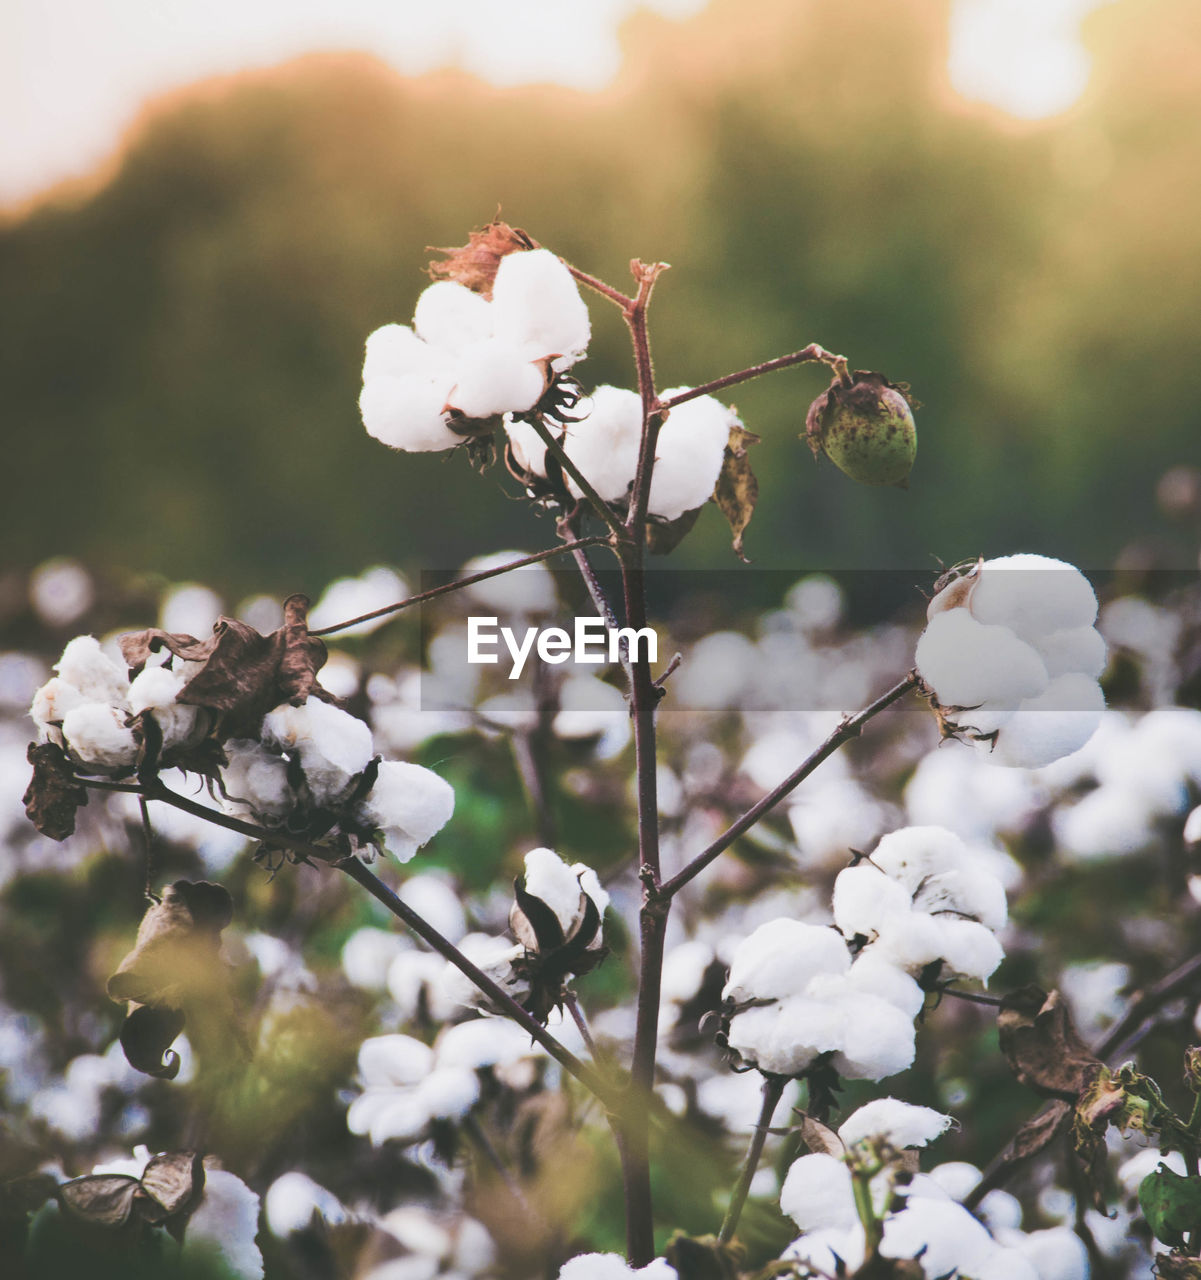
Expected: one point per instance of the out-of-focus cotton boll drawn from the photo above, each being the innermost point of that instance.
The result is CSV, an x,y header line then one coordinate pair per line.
x,y
827,1251
494,376
293,1200
897,1123
368,954
1094,993
410,804
590,708
495,956
450,316
530,589
716,674
535,302
689,454
409,412
1057,1253
1192,829
942,1234
957,788
604,444
224,1225
817,603
89,669
61,591
434,897
340,676
956,1177
346,598
98,735
255,781
781,958
612,1266
818,1194
1107,822
190,609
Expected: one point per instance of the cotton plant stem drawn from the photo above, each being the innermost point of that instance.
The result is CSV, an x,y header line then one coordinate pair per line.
x,y
460,583
773,1089
848,729
807,355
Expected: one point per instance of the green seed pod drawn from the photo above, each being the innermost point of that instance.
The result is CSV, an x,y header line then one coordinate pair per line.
x,y
865,427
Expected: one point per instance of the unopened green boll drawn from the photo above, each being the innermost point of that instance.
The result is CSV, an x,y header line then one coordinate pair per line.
x,y
865,427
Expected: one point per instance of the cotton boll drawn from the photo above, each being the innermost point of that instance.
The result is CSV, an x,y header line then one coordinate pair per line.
x,y
878,1038
409,412
829,1251
393,1061
494,956
434,897
484,1042
155,690
294,1199
1033,595
409,804
451,316
535,301
911,855
591,885
449,1092
529,449
190,609
818,1194
1192,829
89,669
943,1233
494,377
255,781
1055,723
898,1123
874,975
51,704
1108,821
956,787
784,1038
1055,1254
373,589
781,957
967,663
865,898
1175,731
98,735
956,1177
530,589
223,1227
604,445
394,350
368,954
689,454
550,879
60,591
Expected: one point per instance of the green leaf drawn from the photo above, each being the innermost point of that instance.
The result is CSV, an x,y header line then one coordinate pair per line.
x,y
1171,1204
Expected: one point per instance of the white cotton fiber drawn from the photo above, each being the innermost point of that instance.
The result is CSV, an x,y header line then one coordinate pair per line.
x,y
1033,595
549,879
1057,722
688,455
967,662
604,445
535,302
395,351
98,735
495,376
900,1124
409,412
410,804
451,316
818,1193
781,957
89,669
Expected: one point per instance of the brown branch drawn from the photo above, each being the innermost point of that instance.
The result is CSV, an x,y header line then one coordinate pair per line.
x,y
848,729
807,355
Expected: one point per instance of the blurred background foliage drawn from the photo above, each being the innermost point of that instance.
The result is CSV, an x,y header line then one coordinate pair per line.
x,y
180,345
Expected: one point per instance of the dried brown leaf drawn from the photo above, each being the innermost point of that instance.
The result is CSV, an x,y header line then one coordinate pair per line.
x,y
1041,1130
475,263
663,537
54,793
820,1138
1044,1049
737,489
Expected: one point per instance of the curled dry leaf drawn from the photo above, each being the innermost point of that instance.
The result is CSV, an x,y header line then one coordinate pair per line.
x,y
244,674
175,973
820,1139
1044,1049
54,793
737,489
171,1185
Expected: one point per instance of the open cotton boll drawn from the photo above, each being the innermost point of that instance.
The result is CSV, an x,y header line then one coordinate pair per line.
x,y
394,1060
223,1227
829,1251
941,1234
865,898
914,941
155,690
255,781
294,1199
1080,649
98,735
689,454
394,350
529,449
410,804
409,412
89,669
781,957
1053,724
967,662
332,744
878,1038
818,1194
51,704
451,316
535,301
495,376
1032,595
553,882
900,1124
783,1038
875,975
604,445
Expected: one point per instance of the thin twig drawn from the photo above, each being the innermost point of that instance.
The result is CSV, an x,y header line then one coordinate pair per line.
x,y
599,286
561,456
848,729
471,579
807,355
773,1088
148,837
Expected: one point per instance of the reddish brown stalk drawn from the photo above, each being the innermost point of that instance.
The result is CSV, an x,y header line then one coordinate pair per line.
x,y
807,355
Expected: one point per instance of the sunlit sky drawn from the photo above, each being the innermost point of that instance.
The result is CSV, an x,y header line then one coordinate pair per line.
x,y
74,73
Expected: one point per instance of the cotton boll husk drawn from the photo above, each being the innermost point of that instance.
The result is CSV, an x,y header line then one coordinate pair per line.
x,y
535,301
409,803
530,589
85,665
1033,595
948,1234
494,377
451,316
394,1060
1055,723
98,735
900,1124
968,663
529,449
550,879
865,898
818,1194
1081,649
394,351
255,780
781,957
689,454
876,976
604,445
878,1038
223,1226
409,412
